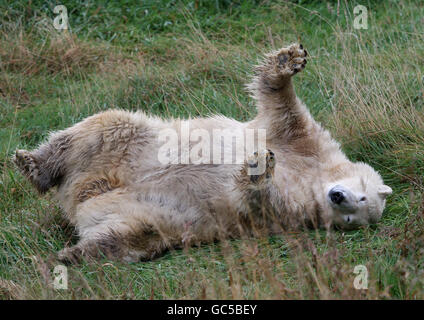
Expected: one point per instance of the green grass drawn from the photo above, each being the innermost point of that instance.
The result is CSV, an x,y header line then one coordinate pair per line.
x,y
192,58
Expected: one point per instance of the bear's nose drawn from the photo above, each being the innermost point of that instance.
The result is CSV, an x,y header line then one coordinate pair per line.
x,y
336,196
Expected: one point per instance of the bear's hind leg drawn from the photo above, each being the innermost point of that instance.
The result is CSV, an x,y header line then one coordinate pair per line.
x,y
119,226
130,247
45,166
30,167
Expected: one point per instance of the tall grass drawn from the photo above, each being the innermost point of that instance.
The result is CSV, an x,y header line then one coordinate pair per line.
x,y
193,58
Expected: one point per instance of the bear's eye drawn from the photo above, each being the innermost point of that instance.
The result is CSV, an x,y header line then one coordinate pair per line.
x,y
363,199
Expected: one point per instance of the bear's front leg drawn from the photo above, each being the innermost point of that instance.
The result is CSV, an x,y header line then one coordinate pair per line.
x,y
261,202
280,112
255,180
278,67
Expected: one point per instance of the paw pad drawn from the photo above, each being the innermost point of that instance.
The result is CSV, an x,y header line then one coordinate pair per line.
x,y
292,59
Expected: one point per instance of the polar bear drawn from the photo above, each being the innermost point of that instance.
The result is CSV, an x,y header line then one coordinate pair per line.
x,y
127,204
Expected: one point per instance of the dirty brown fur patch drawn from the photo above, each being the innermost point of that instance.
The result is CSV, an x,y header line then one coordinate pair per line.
x,y
93,187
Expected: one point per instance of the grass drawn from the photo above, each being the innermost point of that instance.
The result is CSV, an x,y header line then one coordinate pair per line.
x,y
192,58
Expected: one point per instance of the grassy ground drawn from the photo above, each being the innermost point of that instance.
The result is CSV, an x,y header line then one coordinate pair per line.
x,y
193,58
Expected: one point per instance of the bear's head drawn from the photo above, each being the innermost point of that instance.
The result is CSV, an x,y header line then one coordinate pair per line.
x,y
358,198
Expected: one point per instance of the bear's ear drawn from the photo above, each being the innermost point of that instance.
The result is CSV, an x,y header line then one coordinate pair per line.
x,y
384,191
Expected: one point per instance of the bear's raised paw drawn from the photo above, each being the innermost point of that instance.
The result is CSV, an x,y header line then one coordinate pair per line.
x,y
292,59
